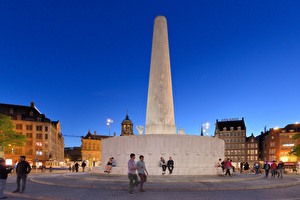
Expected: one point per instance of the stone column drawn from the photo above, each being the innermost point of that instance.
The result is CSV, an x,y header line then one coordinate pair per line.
x,y
160,108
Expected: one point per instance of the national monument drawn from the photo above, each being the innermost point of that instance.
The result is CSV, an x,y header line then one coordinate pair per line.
x,y
192,155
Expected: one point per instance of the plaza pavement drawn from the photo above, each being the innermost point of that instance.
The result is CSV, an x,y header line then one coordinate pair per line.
x,y
66,186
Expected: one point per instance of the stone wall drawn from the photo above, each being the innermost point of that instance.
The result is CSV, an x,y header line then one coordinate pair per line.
x,y
192,155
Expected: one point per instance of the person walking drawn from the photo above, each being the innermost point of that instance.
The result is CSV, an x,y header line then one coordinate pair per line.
x,y
142,172
246,167
241,167
273,168
132,176
280,169
76,166
170,165
3,176
267,168
22,170
163,164
83,165
256,167
228,166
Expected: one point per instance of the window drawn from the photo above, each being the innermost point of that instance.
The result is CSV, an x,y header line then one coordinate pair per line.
x,y
19,126
46,136
29,143
31,113
272,151
39,136
39,128
46,128
29,135
39,144
29,127
39,152
11,111
272,144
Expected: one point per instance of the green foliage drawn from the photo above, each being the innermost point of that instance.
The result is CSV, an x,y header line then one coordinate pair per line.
x,y
296,149
297,136
7,134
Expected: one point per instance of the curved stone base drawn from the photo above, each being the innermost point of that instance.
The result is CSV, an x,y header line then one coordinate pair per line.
x,y
192,155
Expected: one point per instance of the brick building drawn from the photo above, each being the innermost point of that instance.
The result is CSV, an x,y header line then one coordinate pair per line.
x,y
277,143
45,141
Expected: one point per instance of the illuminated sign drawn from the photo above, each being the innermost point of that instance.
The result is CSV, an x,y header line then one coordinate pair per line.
x,y
288,145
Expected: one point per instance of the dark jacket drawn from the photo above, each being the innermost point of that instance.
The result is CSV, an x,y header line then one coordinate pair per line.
x,y
23,167
4,171
170,163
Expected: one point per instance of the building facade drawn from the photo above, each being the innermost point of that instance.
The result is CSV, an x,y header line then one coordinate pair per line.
x,y
251,149
91,148
45,141
277,143
237,147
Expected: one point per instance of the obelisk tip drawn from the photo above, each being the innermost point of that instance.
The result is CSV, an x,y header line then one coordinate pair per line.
x,y
161,18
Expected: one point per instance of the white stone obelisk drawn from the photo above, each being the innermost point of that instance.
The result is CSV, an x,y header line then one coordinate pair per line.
x,y
160,108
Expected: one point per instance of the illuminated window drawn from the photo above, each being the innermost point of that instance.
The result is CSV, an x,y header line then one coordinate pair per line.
x,y
39,144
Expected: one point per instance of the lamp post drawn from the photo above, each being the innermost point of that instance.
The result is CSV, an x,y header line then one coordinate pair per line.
x,y
204,128
108,122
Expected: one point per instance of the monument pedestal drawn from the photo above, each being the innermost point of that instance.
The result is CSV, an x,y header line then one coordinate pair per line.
x,y
192,155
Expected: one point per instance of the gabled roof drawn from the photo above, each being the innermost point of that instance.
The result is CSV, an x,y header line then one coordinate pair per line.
x,y
250,137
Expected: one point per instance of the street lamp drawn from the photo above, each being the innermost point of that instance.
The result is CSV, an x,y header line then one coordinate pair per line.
x,y
204,128
108,122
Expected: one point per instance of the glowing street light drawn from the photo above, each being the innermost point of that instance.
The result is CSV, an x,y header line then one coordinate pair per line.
x,y
204,128
108,122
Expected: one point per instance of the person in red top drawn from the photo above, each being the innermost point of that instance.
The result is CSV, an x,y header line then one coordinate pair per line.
x,y
228,166
273,168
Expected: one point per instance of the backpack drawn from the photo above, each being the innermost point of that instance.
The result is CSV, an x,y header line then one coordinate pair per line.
x,y
267,167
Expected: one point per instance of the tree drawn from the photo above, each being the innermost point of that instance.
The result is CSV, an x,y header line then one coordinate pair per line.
x,y
296,150
8,137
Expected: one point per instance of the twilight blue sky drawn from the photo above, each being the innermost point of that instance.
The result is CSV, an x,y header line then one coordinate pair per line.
x,y
84,61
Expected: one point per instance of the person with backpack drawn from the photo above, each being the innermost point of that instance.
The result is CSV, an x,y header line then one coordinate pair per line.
x,y
267,168
273,168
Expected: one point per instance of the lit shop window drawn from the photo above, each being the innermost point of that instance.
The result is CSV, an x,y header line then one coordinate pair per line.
x,y
39,152
39,144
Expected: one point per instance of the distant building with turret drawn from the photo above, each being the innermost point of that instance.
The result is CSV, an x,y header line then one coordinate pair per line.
x,y
126,127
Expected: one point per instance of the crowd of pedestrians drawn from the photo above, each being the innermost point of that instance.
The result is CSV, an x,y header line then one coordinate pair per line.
x,y
226,168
